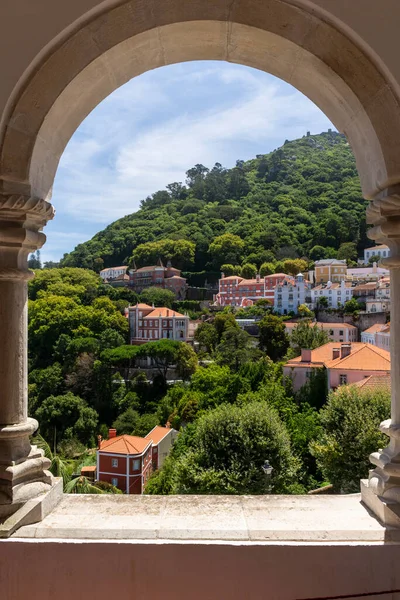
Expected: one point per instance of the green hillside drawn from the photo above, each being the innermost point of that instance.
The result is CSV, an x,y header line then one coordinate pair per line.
x,y
285,204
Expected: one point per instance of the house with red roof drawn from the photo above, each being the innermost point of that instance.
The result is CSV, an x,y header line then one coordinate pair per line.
x,y
147,323
162,439
125,461
168,278
237,291
344,363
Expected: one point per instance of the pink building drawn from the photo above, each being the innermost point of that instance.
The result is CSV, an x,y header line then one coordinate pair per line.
x,y
344,363
158,276
337,332
237,291
147,324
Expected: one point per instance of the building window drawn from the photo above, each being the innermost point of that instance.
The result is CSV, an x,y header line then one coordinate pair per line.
x,y
164,323
114,481
136,464
343,379
140,323
114,462
151,323
341,332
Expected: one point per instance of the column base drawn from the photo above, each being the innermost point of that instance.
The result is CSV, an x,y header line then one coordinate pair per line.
x,y
23,468
385,510
33,510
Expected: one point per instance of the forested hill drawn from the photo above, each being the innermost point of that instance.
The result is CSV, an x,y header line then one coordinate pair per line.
x,y
293,202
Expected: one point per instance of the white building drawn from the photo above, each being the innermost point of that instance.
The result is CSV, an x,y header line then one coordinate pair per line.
x,y
288,295
373,273
112,273
381,251
377,335
336,294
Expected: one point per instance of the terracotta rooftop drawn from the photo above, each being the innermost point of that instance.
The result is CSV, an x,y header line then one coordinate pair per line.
x,y
381,247
332,286
375,328
278,275
374,382
232,277
111,268
125,444
162,311
151,268
157,434
143,306
324,325
250,282
363,357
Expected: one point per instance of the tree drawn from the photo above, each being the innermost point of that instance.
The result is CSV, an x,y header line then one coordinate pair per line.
x,y
307,335
322,301
157,296
318,253
351,306
273,338
347,251
304,312
207,337
180,252
249,271
67,416
267,268
229,270
350,423
226,451
34,260
222,322
294,266
226,248
235,349
127,422
164,355
186,361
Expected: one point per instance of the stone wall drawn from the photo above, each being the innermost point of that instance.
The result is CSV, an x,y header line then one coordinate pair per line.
x,y
362,322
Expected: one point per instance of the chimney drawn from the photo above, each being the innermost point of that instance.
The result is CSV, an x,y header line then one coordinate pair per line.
x,y
99,440
168,425
112,433
167,312
305,355
258,277
335,353
222,275
345,350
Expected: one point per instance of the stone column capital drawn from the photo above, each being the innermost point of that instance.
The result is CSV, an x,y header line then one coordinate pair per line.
x,y
383,213
22,219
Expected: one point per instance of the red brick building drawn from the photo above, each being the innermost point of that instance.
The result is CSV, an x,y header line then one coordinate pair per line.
x,y
125,461
167,278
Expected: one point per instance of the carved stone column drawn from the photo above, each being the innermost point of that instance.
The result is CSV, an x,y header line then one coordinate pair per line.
x,y
23,473
382,491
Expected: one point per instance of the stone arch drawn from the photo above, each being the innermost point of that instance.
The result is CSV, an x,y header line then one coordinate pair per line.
x,y
107,49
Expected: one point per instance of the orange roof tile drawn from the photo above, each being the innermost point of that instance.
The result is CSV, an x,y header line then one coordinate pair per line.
x,y
375,328
157,434
323,325
363,357
374,382
125,444
232,277
143,306
162,311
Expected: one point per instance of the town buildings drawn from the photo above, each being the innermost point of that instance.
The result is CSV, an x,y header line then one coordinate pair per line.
x,y
336,294
168,278
127,461
378,335
330,269
237,291
382,251
364,274
337,332
162,439
344,363
289,294
111,273
147,323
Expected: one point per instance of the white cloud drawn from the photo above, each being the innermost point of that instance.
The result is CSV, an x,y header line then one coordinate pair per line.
x,y
152,130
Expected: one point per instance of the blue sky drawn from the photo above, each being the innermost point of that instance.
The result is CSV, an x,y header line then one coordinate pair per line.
x,y
149,132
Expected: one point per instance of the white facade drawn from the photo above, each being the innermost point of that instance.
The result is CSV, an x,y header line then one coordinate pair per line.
x,y
112,273
336,294
381,251
289,296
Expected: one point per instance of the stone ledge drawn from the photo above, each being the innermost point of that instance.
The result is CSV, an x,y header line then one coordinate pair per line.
x,y
317,519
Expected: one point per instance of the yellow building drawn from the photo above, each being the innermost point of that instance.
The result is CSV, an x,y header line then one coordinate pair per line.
x,y
330,270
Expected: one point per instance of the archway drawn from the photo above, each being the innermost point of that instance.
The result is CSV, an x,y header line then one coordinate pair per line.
x,y
112,45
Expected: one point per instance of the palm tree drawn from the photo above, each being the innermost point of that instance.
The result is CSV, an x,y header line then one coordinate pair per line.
x,y
58,467
82,485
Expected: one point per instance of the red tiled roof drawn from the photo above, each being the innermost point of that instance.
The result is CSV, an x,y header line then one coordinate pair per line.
x,y
375,328
163,312
125,444
374,382
143,306
363,357
157,434
152,268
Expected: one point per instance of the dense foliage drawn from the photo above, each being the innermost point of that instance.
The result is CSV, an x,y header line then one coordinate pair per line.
x,y
303,199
